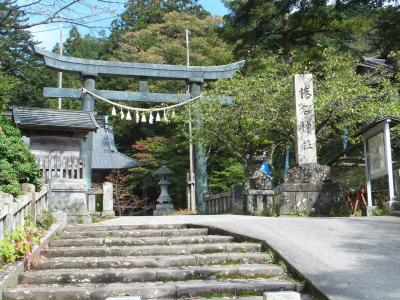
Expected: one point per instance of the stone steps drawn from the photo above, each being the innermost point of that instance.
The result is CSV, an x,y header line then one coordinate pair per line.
x,y
152,250
153,290
303,297
128,241
133,233
95,227
61,276
150,261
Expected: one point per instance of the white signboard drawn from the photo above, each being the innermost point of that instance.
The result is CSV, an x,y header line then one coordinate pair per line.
x,y
306,145
376,156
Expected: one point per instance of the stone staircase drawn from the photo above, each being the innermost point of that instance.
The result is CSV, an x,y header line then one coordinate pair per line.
x,y
151,261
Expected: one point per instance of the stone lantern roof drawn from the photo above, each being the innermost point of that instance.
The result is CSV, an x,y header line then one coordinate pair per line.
x,y
163,170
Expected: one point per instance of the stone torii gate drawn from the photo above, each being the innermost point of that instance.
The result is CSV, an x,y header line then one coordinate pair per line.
x,y
89,70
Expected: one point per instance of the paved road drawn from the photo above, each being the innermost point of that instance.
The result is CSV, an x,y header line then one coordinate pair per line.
x,y
345,258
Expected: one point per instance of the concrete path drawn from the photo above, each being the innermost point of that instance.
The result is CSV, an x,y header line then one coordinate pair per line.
x,y
345,258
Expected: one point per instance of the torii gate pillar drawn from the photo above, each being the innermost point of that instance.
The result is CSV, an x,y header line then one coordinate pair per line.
x,y
89,83
200,161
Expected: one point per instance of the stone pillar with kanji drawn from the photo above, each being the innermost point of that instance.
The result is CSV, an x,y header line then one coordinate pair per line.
x,y
307,186
305,140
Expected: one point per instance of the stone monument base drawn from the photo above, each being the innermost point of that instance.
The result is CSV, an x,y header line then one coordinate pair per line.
x,y
163,209
69,196
307,189
307,198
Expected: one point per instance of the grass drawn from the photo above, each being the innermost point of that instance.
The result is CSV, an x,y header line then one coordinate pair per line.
x,y
240,250
230,262
212,250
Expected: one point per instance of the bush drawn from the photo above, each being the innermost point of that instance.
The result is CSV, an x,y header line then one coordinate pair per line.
x,y
44,220
380,211
17,164
19,243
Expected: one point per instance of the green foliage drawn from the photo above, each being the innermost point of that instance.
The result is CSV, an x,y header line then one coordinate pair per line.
x,y
149,152
7,84
44,220
139,13
261,118
19,243
387,27
17,164
380,211
164,42
18,59
7,250
258,27
313,36
232,173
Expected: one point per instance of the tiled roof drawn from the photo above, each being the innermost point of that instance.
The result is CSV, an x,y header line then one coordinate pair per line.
x,y
375,63
105,155
54,119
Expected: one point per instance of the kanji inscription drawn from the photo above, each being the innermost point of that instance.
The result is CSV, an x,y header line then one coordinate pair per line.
x,y
306,148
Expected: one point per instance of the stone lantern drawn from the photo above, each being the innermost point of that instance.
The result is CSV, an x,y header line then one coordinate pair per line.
x,y
164,201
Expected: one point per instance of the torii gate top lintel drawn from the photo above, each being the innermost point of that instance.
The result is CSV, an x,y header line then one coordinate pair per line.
x,y
117,68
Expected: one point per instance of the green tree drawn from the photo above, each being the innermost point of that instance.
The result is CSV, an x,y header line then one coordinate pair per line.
x,y
257,27
17,164
88,47
141,13
150,152
387,27
7,85
261,118
164,42
17,58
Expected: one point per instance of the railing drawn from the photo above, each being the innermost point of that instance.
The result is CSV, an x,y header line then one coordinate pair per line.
x,y
227,202
239,200
218,203
60,166
14,210
258,200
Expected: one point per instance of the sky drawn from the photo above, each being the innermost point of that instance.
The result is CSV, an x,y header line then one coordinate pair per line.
x,y
49,35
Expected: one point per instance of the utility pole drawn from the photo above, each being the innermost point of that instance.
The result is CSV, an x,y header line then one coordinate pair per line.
x,y
60,74
191,183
